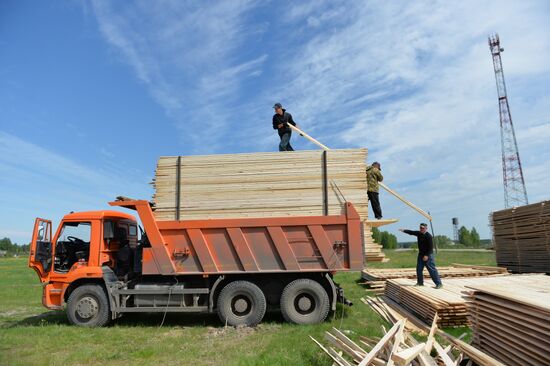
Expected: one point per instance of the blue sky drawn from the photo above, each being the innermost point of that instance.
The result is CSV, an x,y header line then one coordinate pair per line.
x,y
93,92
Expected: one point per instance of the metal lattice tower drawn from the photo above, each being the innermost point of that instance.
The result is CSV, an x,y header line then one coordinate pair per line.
x,y
515,193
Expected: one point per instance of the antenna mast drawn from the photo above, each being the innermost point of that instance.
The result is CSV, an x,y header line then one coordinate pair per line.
x,y
515,193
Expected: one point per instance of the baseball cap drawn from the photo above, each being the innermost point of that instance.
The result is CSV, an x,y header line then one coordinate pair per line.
x,y
277,105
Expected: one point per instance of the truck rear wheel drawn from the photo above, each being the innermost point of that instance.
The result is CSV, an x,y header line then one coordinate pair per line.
x,y
304,301
88,306
241,303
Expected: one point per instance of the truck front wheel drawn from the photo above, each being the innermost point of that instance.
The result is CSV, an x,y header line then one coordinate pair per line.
x,y
241,303
304,301
88,306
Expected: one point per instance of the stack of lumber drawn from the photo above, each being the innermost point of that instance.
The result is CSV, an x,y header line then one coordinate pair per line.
x,y
450,302
467,354
376,277
398,347
521,237
512,323
263,185
373,251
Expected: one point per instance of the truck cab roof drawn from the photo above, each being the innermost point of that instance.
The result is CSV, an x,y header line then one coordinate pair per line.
x,y
98,215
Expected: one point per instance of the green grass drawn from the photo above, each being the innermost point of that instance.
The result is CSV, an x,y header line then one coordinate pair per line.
x,y
33,335
445,257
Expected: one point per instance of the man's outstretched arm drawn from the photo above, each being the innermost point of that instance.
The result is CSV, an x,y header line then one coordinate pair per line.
x,y
410,232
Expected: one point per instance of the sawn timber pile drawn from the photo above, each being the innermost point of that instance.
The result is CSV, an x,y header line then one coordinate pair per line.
x,y
263,185
522,237
375,278
513,325
450,302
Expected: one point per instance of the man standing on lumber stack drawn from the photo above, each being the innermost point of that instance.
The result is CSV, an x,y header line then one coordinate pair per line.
x,y
425,255
374,175
281,119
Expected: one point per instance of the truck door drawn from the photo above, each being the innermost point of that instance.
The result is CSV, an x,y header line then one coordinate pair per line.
x,y
40,256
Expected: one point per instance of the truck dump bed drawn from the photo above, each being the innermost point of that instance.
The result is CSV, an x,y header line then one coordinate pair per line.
x,y
250,245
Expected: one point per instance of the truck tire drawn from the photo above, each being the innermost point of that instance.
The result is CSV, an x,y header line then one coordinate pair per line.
x,y
88,306
304,301
241,303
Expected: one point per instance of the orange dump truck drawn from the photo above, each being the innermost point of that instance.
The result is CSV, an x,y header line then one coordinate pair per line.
x,y
239,268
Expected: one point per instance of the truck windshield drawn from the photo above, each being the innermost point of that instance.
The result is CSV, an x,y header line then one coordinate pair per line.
x,y
78,230
73,245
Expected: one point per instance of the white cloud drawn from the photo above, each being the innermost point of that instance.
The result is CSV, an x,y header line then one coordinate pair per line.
x,y
186,55
413,82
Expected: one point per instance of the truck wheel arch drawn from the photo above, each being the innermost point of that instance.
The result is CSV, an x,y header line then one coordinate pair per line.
x,y
80,282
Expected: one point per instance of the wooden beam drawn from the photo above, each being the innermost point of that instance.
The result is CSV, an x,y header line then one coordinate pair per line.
x,y
406,356
443,355
381,222
405,201
389,335
388,189
431,339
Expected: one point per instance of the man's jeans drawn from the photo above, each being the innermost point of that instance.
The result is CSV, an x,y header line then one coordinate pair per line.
x,y
284,145
430,264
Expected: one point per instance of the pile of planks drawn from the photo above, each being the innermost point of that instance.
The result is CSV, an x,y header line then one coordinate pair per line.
x,y
398,347
521,238
299,183
450,301
467,354
426,301
375,278
513,324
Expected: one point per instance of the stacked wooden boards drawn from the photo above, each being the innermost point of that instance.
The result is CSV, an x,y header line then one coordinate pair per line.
x,y
273,184
426,301
513,325
376,277
449,302
521,237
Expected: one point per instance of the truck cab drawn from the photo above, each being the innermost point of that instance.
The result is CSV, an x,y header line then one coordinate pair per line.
x,y
83,243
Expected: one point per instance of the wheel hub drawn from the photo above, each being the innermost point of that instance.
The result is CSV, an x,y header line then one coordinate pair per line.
x,y
304,303
87,307
241,305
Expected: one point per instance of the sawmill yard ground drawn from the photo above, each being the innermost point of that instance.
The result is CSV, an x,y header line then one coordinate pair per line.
x,y
33,335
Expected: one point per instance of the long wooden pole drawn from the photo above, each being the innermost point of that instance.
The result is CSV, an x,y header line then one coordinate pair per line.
x,y
388,189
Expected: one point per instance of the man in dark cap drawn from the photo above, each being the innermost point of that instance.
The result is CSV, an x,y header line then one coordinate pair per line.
x,y
425,255
281,119
374,175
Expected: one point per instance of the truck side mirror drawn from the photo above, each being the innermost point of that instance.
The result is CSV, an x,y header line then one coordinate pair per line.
x,y
108,230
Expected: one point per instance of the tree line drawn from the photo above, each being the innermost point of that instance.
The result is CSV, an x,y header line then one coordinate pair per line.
x,y
13,248
384,238
468,238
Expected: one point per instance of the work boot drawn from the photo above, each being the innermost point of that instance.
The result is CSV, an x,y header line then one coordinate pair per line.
x,y
419,284
439,286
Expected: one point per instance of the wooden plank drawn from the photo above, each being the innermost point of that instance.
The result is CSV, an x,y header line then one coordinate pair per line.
x,y
388,189
387,337
443,355
334,355
406,356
